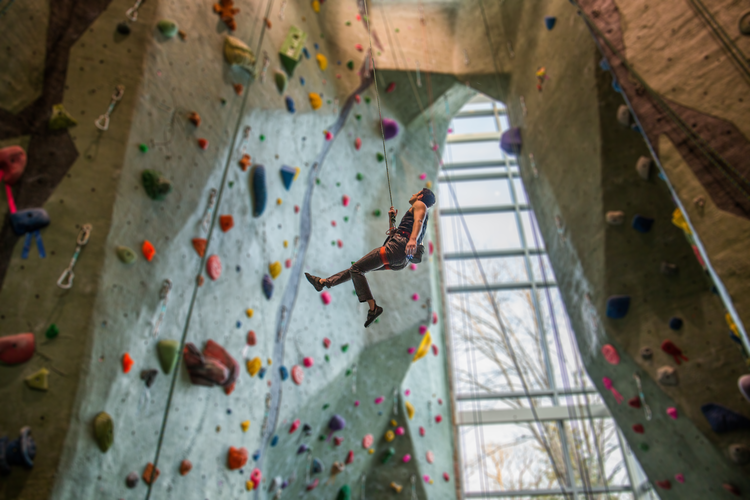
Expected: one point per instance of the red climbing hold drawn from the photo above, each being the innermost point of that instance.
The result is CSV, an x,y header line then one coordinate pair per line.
x,y
434,349
339,243
194,118
357,143
238,88
610,354
245,162
312,485
296,209
670,348
345,200
391,87
298,376
350,457
638,428
200,246
446,476
635,402
438,418
251,339
127,363
226,222
434,316
213,267
338,440
236,457
327,342
148,250
308,362
288,263
357,98
329,135
15,349
358,46
294,426
731,489
185,467
150,473
421,431
664,484
203,143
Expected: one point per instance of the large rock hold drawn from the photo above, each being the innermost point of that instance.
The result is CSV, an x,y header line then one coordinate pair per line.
x,y
260,193
12,163
214,366
104,431
237,53
61,119
29,220
17,349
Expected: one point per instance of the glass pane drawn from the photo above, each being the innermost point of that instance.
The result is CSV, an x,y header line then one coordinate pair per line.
x,y
476,193
536,268
595,453
497,231
472,151
504,123
476,106
520,191
532,240
501,404
497,270
473,125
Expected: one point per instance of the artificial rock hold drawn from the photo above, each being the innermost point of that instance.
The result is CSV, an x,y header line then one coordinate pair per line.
x,y
61,119
666,375
642,224
267,286
149,376
199,244
29,220
739,453
253,366
617,306
169,351
288,174
298,376
280,79
226,222
345,493
237,53
390,128
167,28
38,380
275,269
623,115
723,419
131,481
185,467
126,255
315,100
12,164
150,473
104,431
615,218
236,457
643,167
156,186
409,409
17,349
214,366
213,267
260,193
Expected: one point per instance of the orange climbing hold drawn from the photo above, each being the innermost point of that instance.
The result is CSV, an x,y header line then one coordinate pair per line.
x,y
194,118
203,144
185,467
236,458
226,222
200,246
238,88
148,250
150,474
226,10
127,363
245,162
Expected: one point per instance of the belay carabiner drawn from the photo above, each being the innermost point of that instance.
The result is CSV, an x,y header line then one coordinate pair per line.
x,y
66,278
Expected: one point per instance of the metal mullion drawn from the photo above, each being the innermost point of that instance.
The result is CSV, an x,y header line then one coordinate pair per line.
x,y
495,287
542,492
479,164
480,177
487,254
629,466
479,113
484,210
516,395
472,137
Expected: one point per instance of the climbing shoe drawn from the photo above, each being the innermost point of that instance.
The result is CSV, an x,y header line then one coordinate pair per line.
x,y
372,315
314,281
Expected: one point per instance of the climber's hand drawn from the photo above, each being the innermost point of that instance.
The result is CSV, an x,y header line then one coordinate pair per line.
x,y
392,213
411,247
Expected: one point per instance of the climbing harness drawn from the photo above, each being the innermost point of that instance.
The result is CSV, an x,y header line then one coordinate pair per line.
x,y
102,123
66,278
646,408
209,210
392,220
132,13
166,287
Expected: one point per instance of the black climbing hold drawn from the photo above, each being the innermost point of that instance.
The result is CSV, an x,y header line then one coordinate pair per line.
x,y
29,220
642,224
132,480
267,286
149,376
723,419
675,323
617,306
307,429
156,186
739,453
317,466
260,194
647,353
510,141
668,269
274,441
123,28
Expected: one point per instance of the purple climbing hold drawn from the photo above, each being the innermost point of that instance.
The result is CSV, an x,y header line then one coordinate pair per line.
x,y
268,286
259,190
723,419
510,141
302,448
617,306
390,128
642,224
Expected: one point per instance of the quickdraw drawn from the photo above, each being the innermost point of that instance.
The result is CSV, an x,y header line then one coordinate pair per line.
x,y
102,123
66,278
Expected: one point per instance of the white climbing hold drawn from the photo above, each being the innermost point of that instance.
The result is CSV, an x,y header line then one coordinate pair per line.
x,y
615,217
643,167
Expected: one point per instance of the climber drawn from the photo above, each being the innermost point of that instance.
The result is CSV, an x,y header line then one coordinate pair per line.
x,y
404,244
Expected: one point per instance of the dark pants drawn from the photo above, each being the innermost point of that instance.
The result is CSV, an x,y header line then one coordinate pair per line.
x,y
395,256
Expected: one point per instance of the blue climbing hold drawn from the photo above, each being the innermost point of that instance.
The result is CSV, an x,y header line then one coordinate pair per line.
x,y
549,22
29,220
259,190
268,286
604,64
617,306
307,54
21,451
317,466
290,104
723,419
635,128
287,175
256,455
675,323
316,46
301,81
616,85
284,373
510,141
262,373
642,224
302,448
274,441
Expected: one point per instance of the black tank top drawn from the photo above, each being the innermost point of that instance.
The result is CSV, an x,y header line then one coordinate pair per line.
x,y
407,225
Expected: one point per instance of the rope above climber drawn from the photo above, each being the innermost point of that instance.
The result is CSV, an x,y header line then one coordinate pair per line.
x,y
402,246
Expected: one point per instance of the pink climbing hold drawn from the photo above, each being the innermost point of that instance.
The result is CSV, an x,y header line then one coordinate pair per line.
x,y
251,338
406,459
308,362
296,209
358,46
426,478
357,143
413,267
446,476
379,400
422,329
213,267
345,200
435,147
412,350
312,485
288,263
356,403
17,349
438,418
421,431
326,342
325,297
298,376
430,457
367,441
339,243
256,477
400,431
610,354
434,318
434,349
333,223
349,457
680,478
407,392
357,98
608,385
432,249
672,412
422,176
415,297
294,426
329,135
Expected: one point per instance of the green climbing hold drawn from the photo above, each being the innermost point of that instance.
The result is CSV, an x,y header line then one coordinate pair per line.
x,y
333,243
104,431
169,351
350,65
329,101
280,78
126,255
61,119
643,446
345,493
321,437
376,212
358,117
346,218
325,406
223,101
317,181
380,157
348,372
156,186
360,176
262,138
327,358
388,455
143,148
338,184
52,332
168,28
397,30
231,184
348,23
38,380
367,100
344,347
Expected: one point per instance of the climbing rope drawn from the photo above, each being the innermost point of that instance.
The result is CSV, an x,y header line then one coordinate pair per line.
x,y
380,114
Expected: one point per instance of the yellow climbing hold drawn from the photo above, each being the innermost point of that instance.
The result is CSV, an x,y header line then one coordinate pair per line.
x,y
409,409
396,487
678,219
249,312
394,423
245,425
316,6
371,451
424,347
278,201
275,269
253,366
270,361
249,485
322,62
732,325
296,173
429,185
389,436
286,243
38,380
315,101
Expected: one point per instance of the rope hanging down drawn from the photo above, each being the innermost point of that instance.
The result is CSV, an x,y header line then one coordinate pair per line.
x,y
380,115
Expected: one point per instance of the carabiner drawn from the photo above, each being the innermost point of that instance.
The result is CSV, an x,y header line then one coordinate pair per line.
x,y
83,235
66,275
